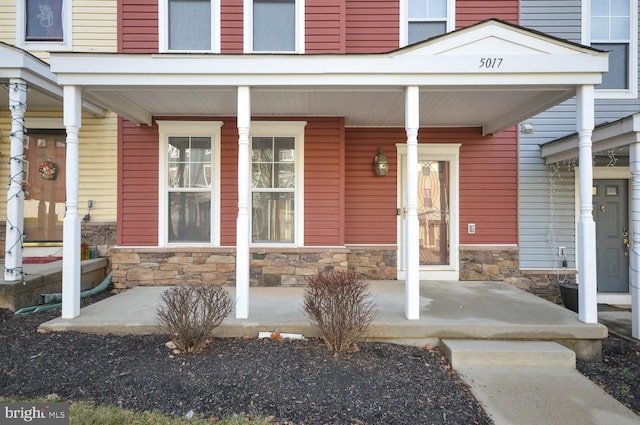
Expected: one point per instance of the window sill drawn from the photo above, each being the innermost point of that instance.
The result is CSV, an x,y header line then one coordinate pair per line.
x,y
53,46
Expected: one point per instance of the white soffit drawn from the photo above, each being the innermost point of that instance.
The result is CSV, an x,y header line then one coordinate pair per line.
x,y
43,90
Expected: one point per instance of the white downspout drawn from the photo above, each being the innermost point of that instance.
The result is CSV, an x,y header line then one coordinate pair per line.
x,y
242,222
71,265
588,277
634,259
15,194
412,258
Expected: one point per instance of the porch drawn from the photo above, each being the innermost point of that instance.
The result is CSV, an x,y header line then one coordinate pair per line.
x,y
448,309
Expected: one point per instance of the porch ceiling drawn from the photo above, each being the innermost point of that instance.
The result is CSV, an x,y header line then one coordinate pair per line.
x,y
492,108
492,75
43,90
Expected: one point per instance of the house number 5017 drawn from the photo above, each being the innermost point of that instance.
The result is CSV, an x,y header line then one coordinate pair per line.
x,y
490,62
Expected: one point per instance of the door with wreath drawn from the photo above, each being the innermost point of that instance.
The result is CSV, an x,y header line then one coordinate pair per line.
x,y
44,186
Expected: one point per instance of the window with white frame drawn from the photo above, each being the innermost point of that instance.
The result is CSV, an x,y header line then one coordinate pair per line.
x,y
424,19
189,25
44,24
189,182
274,26
611,25
277,183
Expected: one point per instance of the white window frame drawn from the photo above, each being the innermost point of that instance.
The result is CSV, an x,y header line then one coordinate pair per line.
x,y
404,20
433,152
163,28
632,91
248,28
283,129
50,46
168,129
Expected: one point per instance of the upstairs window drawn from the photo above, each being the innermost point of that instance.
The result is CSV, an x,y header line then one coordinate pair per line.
x,y
274,26
612,27
44,25
426,18
189,25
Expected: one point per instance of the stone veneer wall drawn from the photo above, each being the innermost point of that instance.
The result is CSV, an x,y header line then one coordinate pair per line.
x,y
269,267
293,267
100,235
502,264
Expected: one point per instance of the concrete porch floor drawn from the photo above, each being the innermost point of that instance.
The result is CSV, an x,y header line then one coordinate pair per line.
x,y
452,310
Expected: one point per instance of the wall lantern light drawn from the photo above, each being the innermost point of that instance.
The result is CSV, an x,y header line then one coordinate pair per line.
x,y
381,164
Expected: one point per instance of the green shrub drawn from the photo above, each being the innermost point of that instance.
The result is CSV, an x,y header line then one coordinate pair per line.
x,y
340,304
190,313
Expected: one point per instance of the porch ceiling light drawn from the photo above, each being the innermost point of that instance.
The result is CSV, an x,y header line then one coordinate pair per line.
x,y
381,164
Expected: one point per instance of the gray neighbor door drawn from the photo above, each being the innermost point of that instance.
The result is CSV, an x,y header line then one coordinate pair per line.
x,y
610,212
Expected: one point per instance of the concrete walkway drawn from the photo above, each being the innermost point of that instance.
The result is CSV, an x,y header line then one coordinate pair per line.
x,y
544,395
487,311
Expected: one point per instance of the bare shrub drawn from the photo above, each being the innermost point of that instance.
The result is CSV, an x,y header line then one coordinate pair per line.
x,y
340,304
190,313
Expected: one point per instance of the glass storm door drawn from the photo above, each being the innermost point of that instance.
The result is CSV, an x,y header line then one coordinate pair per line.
x,y
44,186
436,175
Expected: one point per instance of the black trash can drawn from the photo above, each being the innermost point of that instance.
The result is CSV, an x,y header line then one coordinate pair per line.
x,y
569,294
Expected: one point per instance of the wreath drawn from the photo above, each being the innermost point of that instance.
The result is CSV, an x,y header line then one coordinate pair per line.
x,y
48,170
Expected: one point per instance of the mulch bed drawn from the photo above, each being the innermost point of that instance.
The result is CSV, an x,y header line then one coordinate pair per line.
x,y
293,382
619,372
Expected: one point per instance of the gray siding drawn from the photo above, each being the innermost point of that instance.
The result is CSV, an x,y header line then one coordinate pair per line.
x,y
547,195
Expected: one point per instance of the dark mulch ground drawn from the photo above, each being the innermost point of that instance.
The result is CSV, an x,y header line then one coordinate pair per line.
x,y
292,381
619,372
298,382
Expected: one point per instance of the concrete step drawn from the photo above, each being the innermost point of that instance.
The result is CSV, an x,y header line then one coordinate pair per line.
x,y
491,353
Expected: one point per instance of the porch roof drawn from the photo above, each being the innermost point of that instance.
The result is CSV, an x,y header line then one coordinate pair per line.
x,y
44,91
617,135
490,75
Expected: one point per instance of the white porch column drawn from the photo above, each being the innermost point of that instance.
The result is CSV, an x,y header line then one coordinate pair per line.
x,y
634,260
412,248
242,223
587,273
15,194
71,268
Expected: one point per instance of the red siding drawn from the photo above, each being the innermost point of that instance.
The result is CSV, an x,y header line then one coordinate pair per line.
x,y
325,26
370,204
137,185
488,184
228,182
324,182
469,12
372,26
231,29
138,26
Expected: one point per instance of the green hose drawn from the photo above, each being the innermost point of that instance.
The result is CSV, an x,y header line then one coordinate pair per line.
x,y
56,299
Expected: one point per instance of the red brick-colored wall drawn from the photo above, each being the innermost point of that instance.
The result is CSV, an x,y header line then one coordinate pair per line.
x,y
469,12
324,183
138,157
332,26
488,184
